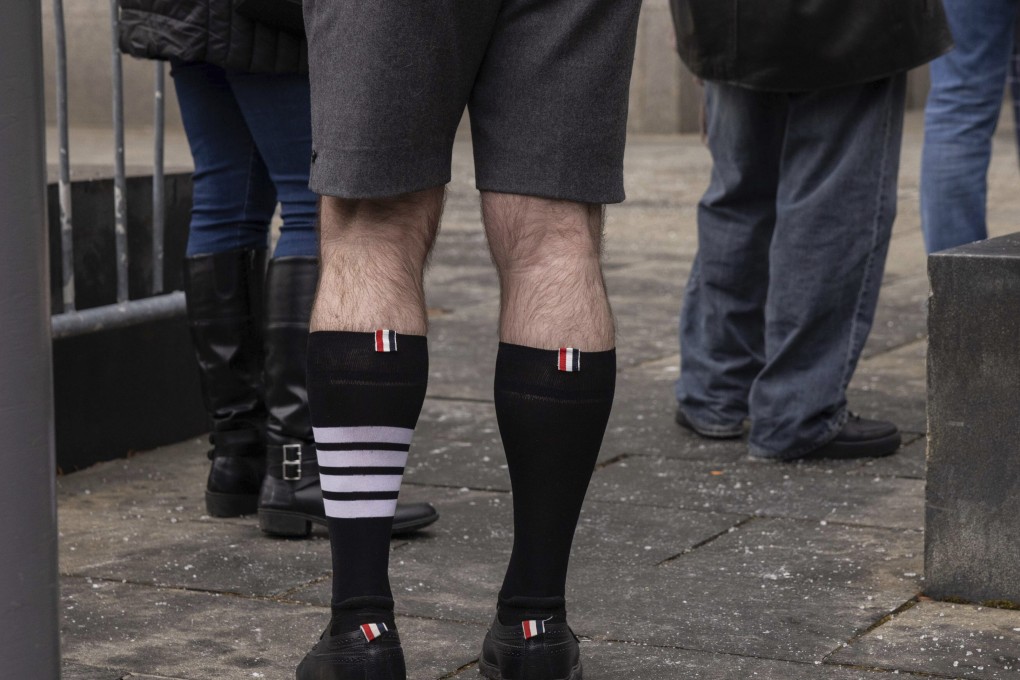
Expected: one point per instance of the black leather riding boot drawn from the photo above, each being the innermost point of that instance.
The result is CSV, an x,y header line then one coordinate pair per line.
x,y
224,299
291,498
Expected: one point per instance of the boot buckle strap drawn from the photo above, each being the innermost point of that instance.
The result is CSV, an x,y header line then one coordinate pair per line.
x,y
291,462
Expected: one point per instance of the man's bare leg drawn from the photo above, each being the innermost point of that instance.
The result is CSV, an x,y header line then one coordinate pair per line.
x,y
552,413
373,255
367,374
548,254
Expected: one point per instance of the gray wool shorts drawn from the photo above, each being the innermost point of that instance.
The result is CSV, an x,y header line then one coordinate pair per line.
x,y
545,83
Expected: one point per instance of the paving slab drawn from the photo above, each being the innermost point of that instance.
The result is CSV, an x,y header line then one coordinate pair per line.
x,y
901,317
772,588
909,462
613,661
803,491
690,561
790,619
198,636
478,530
942,639
816,553
891,386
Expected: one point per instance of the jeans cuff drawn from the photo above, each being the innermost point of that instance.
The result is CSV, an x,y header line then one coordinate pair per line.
x,y
835,427
711,430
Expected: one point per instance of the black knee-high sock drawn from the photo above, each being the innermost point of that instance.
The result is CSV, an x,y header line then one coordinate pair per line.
x,y
365,392
552,408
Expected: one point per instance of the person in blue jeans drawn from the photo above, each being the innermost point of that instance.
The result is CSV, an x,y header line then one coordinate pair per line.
x,y
244,96
967,87
804,108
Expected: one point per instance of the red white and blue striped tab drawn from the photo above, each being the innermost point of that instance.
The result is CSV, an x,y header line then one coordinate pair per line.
x,y
385,341
569,359
373,630
532,628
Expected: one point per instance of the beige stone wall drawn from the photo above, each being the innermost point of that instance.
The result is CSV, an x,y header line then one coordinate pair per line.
x,y
664,97
90,50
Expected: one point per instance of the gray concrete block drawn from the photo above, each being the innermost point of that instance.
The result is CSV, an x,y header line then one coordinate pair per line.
x,y
943,640
973,492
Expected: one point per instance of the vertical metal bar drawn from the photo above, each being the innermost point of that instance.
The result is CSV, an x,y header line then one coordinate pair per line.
x,y
29,595
66,233
119,174
158,199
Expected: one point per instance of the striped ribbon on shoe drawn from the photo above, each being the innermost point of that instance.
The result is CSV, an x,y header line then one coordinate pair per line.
x,y
371,631
533,628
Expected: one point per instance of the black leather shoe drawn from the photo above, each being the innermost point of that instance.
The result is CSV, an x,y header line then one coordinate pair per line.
x,y
533,650
713,432
859,438
369,653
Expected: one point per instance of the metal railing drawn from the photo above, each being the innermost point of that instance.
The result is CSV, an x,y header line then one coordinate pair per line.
x,y
124,312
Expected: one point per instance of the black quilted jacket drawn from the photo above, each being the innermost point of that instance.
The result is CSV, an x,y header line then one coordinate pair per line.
x,y
209,31
800,45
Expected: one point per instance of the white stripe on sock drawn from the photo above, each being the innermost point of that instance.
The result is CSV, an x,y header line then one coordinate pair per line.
x,y
362,458
367,433
359,509
349,483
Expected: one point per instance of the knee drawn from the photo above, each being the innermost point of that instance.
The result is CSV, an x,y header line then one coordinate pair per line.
x,y
526,232
407,223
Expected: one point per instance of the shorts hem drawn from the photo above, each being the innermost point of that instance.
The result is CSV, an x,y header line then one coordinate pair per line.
x,y
378,173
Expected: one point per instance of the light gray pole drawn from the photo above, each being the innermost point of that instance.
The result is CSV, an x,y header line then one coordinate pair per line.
x,y
29,637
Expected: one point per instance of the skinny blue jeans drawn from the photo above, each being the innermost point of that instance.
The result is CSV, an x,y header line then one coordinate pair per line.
x,y
793,233
967,87
251,140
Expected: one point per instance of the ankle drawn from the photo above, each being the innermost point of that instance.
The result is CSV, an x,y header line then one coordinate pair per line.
x,y
514,609
350,614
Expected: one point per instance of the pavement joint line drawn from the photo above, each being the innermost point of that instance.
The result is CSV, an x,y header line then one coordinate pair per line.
x,y
889,671
471,400
917,436
452,674
181,589
893,348
287,594
716,652
612,461
757,516
458,487
876,624
700,544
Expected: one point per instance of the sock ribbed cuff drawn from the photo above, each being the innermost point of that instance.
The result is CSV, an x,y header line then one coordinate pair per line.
x,y
565,373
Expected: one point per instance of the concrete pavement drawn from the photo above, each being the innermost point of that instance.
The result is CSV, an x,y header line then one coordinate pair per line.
x,y
689,562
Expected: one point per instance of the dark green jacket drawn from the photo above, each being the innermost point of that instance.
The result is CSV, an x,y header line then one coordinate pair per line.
x,y
209,31
800,45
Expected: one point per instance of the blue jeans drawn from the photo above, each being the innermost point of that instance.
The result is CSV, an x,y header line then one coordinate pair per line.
x,y
250,137
792,237
967,87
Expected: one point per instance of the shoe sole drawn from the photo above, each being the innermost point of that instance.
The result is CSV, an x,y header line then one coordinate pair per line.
x,y
873,448
492,672
231,504
298,525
